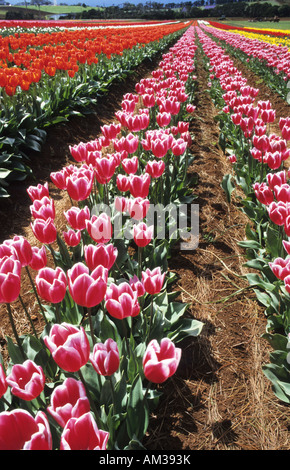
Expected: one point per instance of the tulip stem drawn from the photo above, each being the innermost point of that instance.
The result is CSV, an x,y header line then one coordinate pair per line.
x,y
139,261
92,403
113,393
36,294
14,330
91,325
28,316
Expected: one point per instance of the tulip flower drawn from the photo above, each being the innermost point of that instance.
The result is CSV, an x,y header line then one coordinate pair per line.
x,y
22,247
138,208
43,208
142,234
123,183
59,178
68,400
137,286
111,131
39,258
278,212
86,289
137,122
163,119
100,228
83,434
122,204
10,281
178,147
77,217
44,231
280,267
101,254
19,430
72,238
153,280
130,165
263,193
51,284
26,380
282,193
79,186
69,346
276,179
38,192
139,185
155,168
105,169
3,382
121,301
105,357
160,361
287,283
79,152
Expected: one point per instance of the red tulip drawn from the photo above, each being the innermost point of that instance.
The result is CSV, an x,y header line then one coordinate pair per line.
x,y
278,212
105,357
101,254
130,165
155,168
105,169
142,234
86,289
44,231
121,301
83,434
43,209
10,282
69,346
68,400
153,280
100,228
51,284
263,193
26,380
79,186
38,192
280,267
71,237
139,185
160,361
39,258
138,208
79,152
77,217
22,248
21,431
59,178
111,131
123,183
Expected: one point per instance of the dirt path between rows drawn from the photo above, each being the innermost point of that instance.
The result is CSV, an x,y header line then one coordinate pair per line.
x,y
219,399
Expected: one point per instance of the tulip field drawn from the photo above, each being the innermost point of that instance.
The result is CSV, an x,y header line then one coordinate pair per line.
x,y
145,282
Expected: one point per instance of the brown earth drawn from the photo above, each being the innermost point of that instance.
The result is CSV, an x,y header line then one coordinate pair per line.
x,y
219,398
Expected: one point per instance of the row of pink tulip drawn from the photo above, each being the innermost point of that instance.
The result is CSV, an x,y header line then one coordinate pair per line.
x,y
117,168
275,56
258,161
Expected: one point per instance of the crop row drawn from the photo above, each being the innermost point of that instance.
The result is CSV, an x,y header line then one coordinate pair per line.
x,y
269,59
110,320
48,76
258,156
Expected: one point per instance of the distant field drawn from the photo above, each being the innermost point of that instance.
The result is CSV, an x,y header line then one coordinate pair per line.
x,y
47,10
284,24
